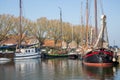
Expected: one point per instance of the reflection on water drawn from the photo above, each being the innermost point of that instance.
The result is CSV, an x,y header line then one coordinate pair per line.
x,y
61,69
6,70
55,69
99,72
27,69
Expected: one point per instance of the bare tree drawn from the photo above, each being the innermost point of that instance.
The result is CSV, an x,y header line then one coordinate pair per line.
x,y
55,31
5,26
15,29
39,29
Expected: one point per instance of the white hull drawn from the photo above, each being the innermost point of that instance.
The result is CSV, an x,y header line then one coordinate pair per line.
x,y
4,60
27,54
72,53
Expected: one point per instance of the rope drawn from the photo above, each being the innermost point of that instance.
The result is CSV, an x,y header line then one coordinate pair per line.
x,y
101,5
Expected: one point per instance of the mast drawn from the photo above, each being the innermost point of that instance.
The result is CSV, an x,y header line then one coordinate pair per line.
x,y
20,27
61,25
81,26
72,32
87,23
96,30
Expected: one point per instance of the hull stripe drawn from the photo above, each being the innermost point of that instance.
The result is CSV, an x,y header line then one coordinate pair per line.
x,y
98,64
93,53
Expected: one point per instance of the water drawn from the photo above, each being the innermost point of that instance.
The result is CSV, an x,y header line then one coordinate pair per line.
x,y
55,69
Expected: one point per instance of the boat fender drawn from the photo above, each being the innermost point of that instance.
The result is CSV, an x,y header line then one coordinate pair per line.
x,y
113,59
100,59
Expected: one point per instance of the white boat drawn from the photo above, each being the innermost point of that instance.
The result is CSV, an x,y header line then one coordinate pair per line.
x,y
4,60
27,53
6,56
20,54
73,54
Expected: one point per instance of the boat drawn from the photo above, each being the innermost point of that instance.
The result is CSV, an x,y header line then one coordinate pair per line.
x,y
6,56
72,51
49,54
100,55
74,54
22,53
25,53
4,60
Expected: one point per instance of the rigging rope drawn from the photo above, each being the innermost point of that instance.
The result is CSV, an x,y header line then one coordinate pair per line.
x,y
101,5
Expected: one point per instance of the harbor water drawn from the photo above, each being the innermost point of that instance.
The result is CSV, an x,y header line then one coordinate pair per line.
x,y
55,69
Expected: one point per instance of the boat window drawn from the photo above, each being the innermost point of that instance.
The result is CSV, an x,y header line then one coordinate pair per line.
x,y
28,50
35,49
38,49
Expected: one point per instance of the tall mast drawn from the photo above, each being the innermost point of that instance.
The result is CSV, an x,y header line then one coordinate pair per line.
x,y
61,24
20,27
72,32
81,25
96,30
87,23
81,15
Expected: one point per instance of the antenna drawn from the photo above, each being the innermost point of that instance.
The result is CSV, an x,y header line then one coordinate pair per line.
x,y
101,7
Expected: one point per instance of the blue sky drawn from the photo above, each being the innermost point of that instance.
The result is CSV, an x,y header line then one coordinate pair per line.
x,y
34,9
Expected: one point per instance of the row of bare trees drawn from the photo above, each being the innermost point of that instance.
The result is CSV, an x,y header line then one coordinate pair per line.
x,y
41,29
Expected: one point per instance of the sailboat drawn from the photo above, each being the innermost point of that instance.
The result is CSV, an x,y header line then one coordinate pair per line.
x,y
25,53
73,53
100,54
21,53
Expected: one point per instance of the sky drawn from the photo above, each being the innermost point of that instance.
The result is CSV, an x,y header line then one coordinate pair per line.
x,y
71,12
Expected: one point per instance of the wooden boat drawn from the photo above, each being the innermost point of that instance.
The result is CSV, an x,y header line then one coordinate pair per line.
x,y
99,57
48,55
100,54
